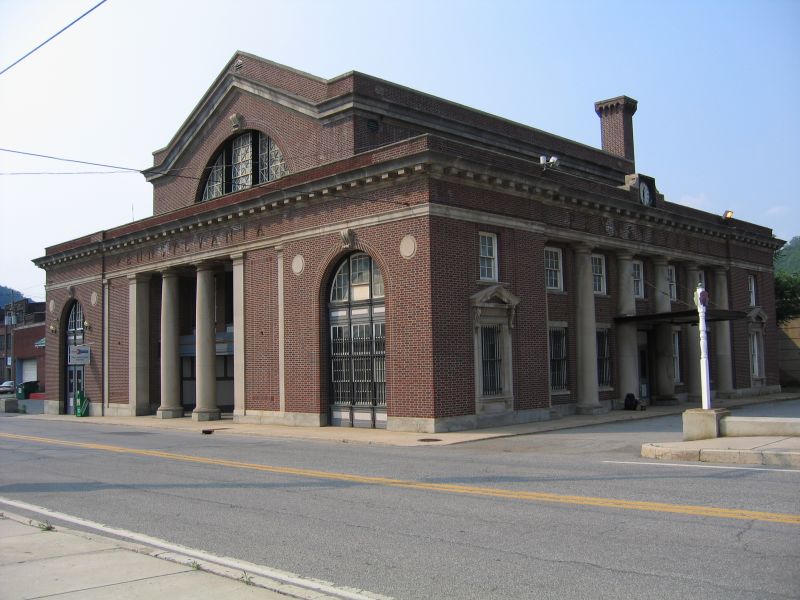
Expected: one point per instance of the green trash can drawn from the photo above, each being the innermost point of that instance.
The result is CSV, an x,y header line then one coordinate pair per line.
x,y
81,405
25,389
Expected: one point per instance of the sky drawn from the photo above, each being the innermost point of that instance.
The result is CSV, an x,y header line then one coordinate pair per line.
x,y
718,85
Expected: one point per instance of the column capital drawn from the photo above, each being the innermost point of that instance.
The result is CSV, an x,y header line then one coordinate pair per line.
x,y
720,269
205,265
691,265
238,257
660,261
624,255
169,272
136,277
582,248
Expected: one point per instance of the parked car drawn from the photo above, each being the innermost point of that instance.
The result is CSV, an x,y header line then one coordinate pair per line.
x,y
7,387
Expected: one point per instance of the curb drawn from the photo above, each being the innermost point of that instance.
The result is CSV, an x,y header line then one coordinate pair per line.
x,y
723,455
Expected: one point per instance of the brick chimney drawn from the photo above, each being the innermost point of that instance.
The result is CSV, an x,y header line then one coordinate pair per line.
x,y
616,124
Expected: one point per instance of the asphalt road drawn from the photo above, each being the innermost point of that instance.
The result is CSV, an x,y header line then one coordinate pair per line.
x,y
504,518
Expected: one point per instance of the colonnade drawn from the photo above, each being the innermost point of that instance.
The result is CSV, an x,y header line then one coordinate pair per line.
x,y
206,408
627,347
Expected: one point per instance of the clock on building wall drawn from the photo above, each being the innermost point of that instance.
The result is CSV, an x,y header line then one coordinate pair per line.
x,y
647,190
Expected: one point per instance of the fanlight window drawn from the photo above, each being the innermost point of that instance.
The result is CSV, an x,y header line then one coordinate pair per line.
x,y
244,161
358,278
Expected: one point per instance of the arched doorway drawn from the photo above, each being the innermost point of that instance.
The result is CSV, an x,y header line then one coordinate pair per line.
x,y
74,358
357,343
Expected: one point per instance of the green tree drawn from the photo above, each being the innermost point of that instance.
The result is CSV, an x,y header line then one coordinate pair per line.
x,y
787,259
787,296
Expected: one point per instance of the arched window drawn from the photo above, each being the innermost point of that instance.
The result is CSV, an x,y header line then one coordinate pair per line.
x,y
357,343
243,161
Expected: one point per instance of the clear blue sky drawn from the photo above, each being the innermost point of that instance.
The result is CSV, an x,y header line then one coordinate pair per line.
x,y
718,85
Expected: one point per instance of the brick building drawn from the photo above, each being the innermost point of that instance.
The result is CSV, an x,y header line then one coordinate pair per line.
x,y
353,252
22,332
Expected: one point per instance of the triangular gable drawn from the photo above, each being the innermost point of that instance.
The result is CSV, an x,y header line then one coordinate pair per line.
x,y
494,298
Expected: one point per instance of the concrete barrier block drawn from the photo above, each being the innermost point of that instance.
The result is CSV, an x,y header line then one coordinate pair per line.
x,y
759,426
702,424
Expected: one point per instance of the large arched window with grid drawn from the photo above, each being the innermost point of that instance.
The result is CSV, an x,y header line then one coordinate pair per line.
x,y
243,161
357,341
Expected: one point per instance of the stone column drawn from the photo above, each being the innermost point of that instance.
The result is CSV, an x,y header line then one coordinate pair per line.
x,y
205,348
170,348
627,344
139,344
586,334
665,370
722,335
692,337
238,336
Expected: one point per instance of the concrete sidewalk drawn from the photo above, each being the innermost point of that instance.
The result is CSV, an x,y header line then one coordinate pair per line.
x,y
66,564
226,426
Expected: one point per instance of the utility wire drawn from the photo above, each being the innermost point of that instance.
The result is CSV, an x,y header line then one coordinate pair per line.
x,y
56,34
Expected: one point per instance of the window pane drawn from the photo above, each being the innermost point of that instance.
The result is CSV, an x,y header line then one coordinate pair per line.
x,y
359,269
598,274
214,184
673,288
558,359
603,359
552,268
242,162
488,256
377,281
638,287
341,284
490,359
277,165
676,356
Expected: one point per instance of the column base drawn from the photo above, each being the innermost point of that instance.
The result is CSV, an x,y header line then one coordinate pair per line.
x,y
170,413
205,414
591,410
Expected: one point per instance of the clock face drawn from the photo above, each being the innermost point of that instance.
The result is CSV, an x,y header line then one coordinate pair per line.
x,y
644,194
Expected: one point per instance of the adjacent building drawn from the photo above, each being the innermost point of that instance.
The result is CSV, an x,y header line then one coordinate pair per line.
x,y
352,252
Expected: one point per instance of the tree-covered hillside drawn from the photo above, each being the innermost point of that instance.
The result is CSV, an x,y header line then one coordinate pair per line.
x,y
787,260
8,294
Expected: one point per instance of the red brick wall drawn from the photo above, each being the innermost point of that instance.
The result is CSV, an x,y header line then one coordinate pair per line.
x,y
118,302
261,330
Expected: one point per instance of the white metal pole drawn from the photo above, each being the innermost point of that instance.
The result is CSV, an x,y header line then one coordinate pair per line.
x,y
701,300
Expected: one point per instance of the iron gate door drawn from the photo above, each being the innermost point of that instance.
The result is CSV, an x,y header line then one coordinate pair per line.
x,y
357,345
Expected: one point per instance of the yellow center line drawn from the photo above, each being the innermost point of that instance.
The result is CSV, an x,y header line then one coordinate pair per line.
x,y
683,509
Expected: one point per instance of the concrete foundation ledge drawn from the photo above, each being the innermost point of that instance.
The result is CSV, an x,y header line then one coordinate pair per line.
x,y
290,419
702,424
759,426
8,405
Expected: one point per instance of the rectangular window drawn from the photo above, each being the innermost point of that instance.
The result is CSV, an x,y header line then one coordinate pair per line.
x,y
751,290
552,269
701,278
488,256
676,356
599,273
638,279
603,359
755,354
558,359
490,360
672,282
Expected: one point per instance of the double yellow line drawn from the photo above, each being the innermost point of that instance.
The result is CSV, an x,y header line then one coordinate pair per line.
x,y
681,509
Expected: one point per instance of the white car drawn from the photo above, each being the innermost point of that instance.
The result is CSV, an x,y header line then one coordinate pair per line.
x,y
7,387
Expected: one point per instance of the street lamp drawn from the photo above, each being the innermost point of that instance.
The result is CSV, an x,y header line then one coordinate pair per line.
x,y
701,301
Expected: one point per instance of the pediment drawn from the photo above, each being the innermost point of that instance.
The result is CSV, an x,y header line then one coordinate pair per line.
x,y
213,103
494,295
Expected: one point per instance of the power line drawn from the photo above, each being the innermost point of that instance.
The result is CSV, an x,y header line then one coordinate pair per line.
x,y
56,34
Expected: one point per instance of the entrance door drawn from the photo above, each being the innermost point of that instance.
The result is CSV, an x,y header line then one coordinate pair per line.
x,y
74,386
357,344
73,376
